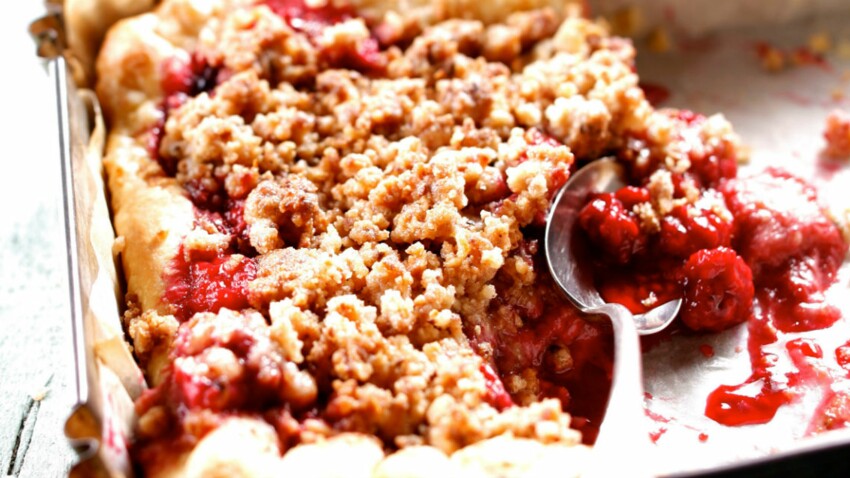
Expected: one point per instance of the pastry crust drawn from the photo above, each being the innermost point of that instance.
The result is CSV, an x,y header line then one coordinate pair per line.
x,y
375,255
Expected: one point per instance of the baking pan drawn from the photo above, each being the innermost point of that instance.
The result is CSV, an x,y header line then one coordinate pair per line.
x,y
108,380
106,376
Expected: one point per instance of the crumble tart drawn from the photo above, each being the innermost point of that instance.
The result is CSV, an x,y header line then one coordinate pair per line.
x,y
331,214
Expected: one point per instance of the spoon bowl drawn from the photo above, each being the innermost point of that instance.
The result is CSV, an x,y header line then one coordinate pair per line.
x,y
604,175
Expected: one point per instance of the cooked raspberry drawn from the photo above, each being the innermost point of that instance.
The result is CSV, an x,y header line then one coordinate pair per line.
x,y
631,196
834,413
190,77
235,225
208,285
206,193
176,76
714,166
777,217
612,228
688,229
798,287
718,290
842,355
229,361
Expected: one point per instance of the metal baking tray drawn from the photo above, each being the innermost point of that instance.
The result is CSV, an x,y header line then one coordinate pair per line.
x,y
717,78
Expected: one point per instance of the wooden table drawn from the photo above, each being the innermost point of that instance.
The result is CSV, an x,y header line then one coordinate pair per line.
x,y
35,347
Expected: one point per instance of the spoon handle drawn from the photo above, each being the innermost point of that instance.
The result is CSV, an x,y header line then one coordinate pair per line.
x,y
623,447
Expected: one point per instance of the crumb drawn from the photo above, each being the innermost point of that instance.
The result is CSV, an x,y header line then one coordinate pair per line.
x,y
650,300
837,135
40,394
658,40
626,21
820,43
772,58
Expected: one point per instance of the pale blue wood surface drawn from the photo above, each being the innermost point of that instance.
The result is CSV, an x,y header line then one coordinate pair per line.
x,y
34,329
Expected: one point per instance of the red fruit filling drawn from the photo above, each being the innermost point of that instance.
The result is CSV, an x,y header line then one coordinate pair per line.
x,y
189,77
612,228
791,245
543,348
229,362
688,229
718,290
794,251
364,56
226,214
208,284
226,363
777,218
654,93
498,396
842,356
638,291
179,79
750,403
710,161
311,19
779,251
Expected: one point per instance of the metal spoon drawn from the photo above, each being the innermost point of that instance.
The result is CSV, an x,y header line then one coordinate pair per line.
x,y
623,436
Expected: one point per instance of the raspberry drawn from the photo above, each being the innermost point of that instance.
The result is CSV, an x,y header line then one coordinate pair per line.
x,y
777,218
684,232
718,290
612,228
631,196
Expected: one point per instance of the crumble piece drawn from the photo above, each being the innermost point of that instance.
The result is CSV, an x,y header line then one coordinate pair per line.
x,y
837,135
820,43
626,21
658,40
771,58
